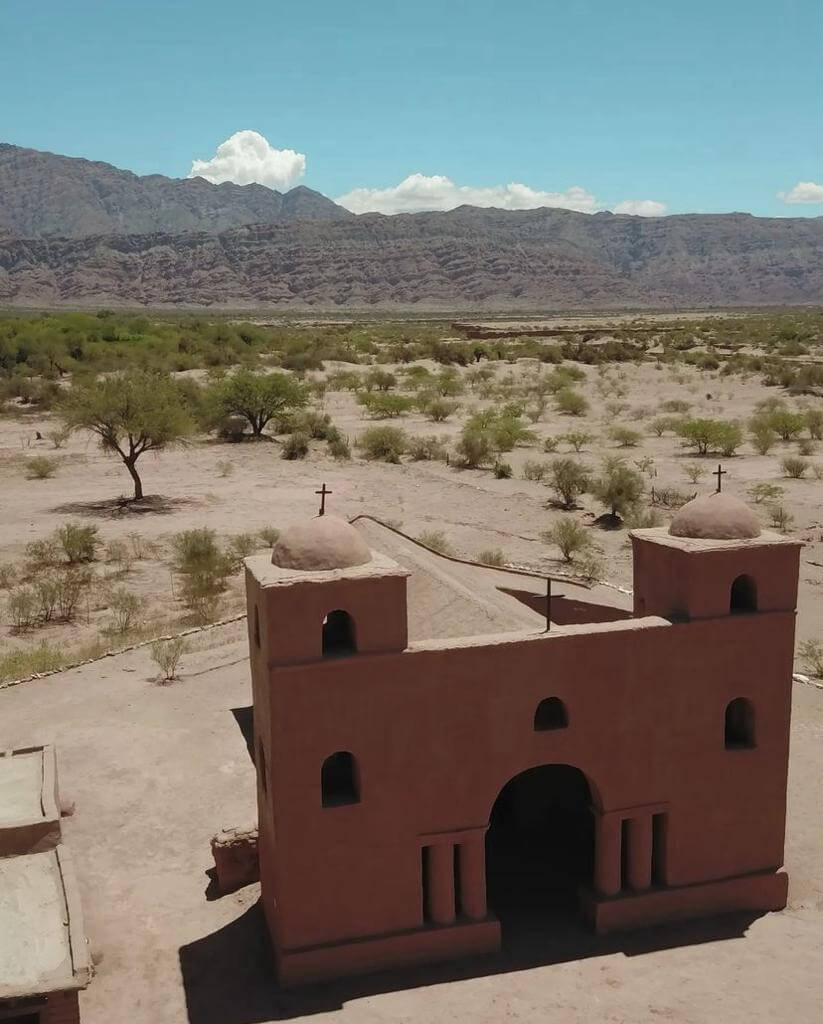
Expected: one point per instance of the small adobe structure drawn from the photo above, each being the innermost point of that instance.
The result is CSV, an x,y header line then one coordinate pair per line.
x,y
44,959
413,796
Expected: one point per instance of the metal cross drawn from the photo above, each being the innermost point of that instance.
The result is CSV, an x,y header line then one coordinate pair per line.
x,y
719,473
323,492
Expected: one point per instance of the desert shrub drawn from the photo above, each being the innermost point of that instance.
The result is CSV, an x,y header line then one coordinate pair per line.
x,y
268,535
119,553
781,518
436,540
140,547
379,380
568,535
45,590
296,446
126,609
8,576
763,437
568,478
590,564
646,465
71,584
22,608
224,467
619,487
79,542
625,437
670,497
676,405
238,548
197,551
437,408
41,467
339,449
508,431
474,447
427,449
795,467
571,402
502,470
786,423
765,492
661,424
492,556
577,439
805,446
533,469
810,653
643,518
166,654
318,425
550,444
383,444
42,554
59,436
693,471
708,435
232,429
814,423
382,406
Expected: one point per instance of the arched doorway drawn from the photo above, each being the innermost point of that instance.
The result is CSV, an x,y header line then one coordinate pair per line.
x,y
539,846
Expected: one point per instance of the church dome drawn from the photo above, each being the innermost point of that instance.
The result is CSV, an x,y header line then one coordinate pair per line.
x,y
715,517
325,542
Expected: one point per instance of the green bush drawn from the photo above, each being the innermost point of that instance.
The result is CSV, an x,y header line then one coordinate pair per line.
x,y
814,422
22,608
166,654
339,449
383,406
765,492
383,444
571,402
786,423
707,435
436,408
763,437
41,467
795,467
619,488
533,469
475,447
625,437
41,555
427,449
296,446
79,542
492,556
126,609
568,478
568,535
577,439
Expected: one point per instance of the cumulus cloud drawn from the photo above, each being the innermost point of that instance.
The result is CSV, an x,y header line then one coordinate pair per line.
x,y
247,157
421,192
803,192
641,207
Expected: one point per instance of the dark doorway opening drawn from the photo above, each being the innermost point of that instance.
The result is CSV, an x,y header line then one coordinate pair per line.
x,y
743,596
539,849
338,635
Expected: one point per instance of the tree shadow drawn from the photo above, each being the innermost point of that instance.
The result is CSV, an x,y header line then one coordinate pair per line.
x,y
115,508
229,978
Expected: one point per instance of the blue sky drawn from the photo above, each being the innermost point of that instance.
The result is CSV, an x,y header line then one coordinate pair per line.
x,y
699,107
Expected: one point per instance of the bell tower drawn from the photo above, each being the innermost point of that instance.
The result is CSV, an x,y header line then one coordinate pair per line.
x,y
713,561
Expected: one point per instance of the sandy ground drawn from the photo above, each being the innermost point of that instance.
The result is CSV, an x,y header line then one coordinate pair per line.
x,y
474,510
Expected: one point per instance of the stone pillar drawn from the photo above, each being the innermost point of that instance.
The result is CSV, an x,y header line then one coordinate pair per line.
x,y
639,869
607,847
472,859
441,883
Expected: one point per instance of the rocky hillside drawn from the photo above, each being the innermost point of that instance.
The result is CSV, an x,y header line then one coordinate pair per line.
x,y
46,194
466,259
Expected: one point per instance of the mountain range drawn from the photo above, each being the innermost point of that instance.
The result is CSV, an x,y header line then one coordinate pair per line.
x,y
84,233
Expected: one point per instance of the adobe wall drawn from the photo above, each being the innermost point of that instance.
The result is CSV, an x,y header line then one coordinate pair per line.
x,y
438,730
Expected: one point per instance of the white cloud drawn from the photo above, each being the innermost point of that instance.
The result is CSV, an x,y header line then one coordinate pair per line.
x,y
421,192
641,207
248,156
803,192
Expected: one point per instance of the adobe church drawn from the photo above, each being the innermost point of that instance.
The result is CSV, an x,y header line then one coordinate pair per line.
x,y
630,766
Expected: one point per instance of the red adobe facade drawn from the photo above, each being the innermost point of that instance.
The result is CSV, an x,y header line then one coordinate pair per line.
x,y
380,762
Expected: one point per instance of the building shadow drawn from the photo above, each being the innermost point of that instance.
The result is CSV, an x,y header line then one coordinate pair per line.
x,y
245,723
567,611
228,976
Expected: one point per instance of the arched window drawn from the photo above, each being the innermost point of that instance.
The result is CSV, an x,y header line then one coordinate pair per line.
x,y
550,714
338,780
743,596
739,724
338,635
